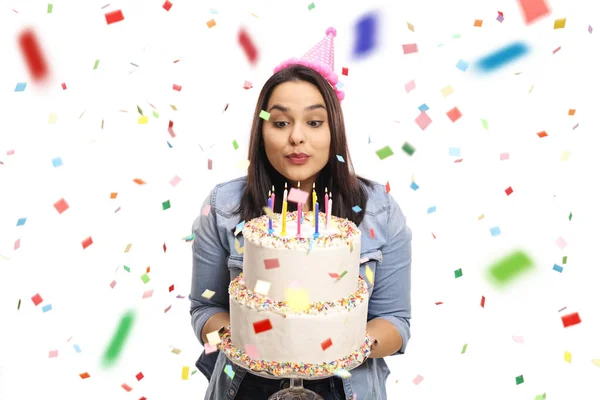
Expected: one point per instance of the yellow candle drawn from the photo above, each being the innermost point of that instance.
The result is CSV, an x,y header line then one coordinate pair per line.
x,y
284,218
314,201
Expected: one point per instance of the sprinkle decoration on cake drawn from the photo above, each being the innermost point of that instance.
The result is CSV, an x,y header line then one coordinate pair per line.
x,y
239,291
282,369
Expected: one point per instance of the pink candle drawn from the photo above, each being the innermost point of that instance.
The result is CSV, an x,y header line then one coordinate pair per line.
x,y
273,198
326,206
299,217
328,216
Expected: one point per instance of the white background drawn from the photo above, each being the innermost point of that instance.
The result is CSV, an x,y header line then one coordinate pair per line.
x,y
85,310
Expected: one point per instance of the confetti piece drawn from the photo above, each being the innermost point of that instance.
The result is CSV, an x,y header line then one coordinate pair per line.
x,y
462,65
49,9
458,273
20,86
369,274
343,274
271,263
185,372
464,349
344,71
334,275
560,23
143,120
311,6
567,357
410,48
508,191
213,338
372,233
264,115
387,187
262,287
52,118
482,302
87,242
119,338
21,221
504,156
340,158
33,55
239,227
520,379
326,344
84,375
252,352
454,152
53,353
235,145
167,6
447,90
596,362
454,114
210,164
423,120
126,268
410,86
518,339
211,23
242,164
127,248
208,348
206,210
297,299
431,210
561,242
238,247
495,231
478,23
126,387
175,351
177,87
19,305
356,209
533,9
570,319
414,186
47,308
77,348
147,294
229,371
262,326
365,35
247,85
114,16
297,196
384,152
510,267
557,268
418,379
248,47
502,57
344,374
113,284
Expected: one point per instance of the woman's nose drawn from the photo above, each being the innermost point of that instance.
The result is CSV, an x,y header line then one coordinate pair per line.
x,y
297,136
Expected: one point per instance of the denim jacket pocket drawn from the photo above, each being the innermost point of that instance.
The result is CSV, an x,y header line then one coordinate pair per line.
x,y
372,259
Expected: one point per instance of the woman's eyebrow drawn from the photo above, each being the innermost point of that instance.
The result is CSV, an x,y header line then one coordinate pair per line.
x,y
285,109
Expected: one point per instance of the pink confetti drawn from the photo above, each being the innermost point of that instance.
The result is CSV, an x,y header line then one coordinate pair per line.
x,y
518,339
252,351
410,48
247,85
272,263
210,164
53,353
560,242
87,242
297,196
167,6
175,181
410,86
167,309
503,156
177,87
37,299
209,348
334,275
148,294
555,50
423,120
17,244
418,379
206,210
113,284
533,9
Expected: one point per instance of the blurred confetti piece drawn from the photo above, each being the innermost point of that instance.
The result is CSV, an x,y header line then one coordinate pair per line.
x,y
519,379
52,118
410,86
462,65
33,55
126,387
297,196
49,10
297,299
139,181
340,158
504,156
570,319
369,274
365,34
344,71
567,357
596,362
561,242
143,120
206,210
87,242
482,302
248,46
458,273
96,64
114,16
410,26
208,294
518,339
239,227
262,287
269,213
502,57
510,267
454,114
447,90
342,373
20,86
208,348
213,338
119,338
418,379
410,48
264,115
147,294
262,326
238,247
356,209
478,23
533,9
47,307
464,349
423,120
484,123
53,353
229,371
235,145
271,263
509,190
384,152
84,375
185,373
167,5
326,344
242,164
177,87
560,23
211,23
247,85
139,376
387,187
252,352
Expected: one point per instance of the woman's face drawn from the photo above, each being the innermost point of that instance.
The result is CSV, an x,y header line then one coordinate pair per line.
x,y
297,135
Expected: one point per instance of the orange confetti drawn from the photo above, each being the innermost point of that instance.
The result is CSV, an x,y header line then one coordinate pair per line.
x,y
572,111
113,195
85,375
126,387
478,23
211,23
139,181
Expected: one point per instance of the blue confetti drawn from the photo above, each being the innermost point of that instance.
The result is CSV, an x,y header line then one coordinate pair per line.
x,y
423,107
21,86
340,158
495,231
414,186
462,65
502,56
213,11
170,145
431,210
339,85
356,209
57,162
454,151
21,221
47,308
239,227
558,268
77,348
366,29
229,371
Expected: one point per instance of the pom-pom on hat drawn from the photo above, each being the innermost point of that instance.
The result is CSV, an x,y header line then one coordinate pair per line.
x,y
319,58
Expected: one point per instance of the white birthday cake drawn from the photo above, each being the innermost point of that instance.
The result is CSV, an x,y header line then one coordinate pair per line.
x,y
300,307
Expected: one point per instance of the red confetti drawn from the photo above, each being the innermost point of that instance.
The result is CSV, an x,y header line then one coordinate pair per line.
x,y
387,187
249,48
482,301
64,86
139,376
542,134
87,242
171,288
147,270
533,9
570,319
454,114
167,6
345,71
334,275
437,303
167,309
272,263
501,13
372,233
37,299
126,387
85,375
177,87
508,191
61,206
113,284
262,326
164,247
32,52
326,344
433,234
114,16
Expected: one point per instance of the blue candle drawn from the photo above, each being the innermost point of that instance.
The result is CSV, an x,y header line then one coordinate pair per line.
x,y
270,205
316,219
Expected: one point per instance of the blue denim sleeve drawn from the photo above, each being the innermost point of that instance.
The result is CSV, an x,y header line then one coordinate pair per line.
x,y
390,299
209,269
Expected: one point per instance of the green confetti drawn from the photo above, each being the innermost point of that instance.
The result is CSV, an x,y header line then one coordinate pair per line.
x,y
264,115
96,64
343,273
49,8
464,349
408,149
155,114
311,6
564,260
194,371
484,123
126,268
456,36
458,273
19,305
384,152
118,340
235,145
520,379
570,216
140,111
508,268
166,205
540,396
145,278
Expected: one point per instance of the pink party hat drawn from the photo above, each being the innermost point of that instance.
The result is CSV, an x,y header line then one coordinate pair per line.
x,y
319,58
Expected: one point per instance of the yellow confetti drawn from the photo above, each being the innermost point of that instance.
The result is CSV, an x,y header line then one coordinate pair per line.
x,y
567,357
128,248
480,217
208,294
238,247
262,287
560,23
297,299
185,372
531,89
565,156
173,107
369,274
175,350
269,213
213,338
596,362
243,164
52,118
143,119
447,90
410,26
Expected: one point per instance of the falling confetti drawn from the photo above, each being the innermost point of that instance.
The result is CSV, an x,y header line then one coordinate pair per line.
x,y
365,35
510,267
502,57
533,10
33,55
570,319
262,326
248,47
119,338
114,16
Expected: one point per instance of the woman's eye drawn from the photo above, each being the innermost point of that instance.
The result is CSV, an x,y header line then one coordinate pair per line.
x,y
280,124
315,124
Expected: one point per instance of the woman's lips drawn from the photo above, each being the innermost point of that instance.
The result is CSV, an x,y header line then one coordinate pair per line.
x,y
298,159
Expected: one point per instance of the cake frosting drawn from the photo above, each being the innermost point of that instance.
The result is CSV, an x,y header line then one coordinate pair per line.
x,y
300,300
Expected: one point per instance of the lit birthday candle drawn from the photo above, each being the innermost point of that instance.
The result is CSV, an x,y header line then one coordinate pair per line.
x,y
314,201
316,235
328,216
270,205
326,206
284,211
299,216
273,198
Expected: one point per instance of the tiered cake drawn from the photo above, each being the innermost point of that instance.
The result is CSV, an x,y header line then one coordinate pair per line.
x,y
300,307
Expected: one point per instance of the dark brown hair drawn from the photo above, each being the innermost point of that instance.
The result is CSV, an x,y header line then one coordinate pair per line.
x,y
338,177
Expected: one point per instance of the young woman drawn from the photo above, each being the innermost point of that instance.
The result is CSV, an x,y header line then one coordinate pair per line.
x,y
301,142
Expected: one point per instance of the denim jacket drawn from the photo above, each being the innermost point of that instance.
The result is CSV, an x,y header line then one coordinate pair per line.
x,y
216,262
